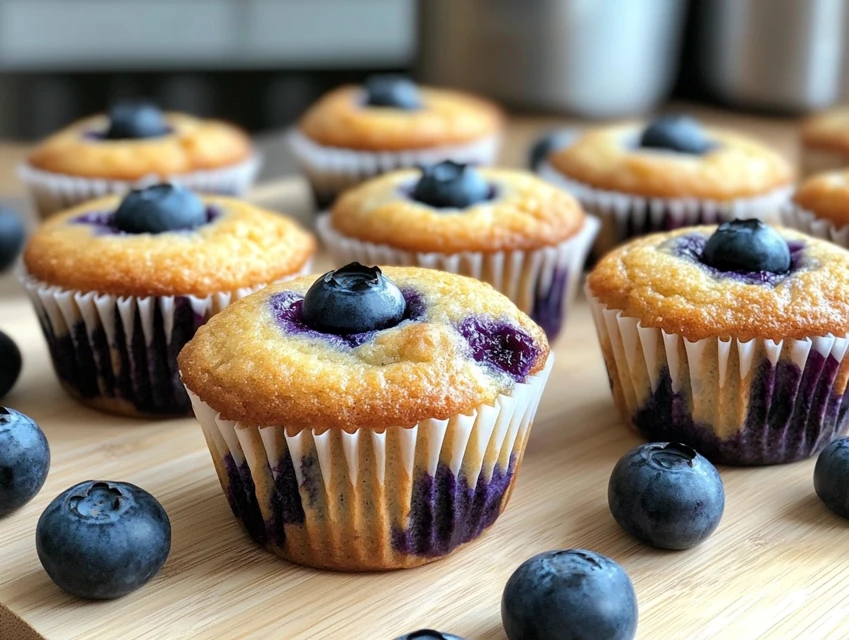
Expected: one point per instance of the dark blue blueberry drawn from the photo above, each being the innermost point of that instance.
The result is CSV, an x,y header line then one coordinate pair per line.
x,y
451,185
10,364
103,540
500,345
667,495
390,90
547,144
11,238
24,460
429,634
831,477
747,246
676,133
569,595
133,119
353,299
160,208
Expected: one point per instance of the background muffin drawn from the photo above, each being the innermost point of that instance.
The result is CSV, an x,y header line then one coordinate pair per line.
x,y
523,236
824,141
669,174
820,207
357,132
367,421
136,143
120,286
731,340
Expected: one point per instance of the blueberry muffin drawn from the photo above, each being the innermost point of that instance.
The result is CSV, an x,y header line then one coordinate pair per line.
x,y
729,339
137,144
820,207
120,286
669,174
824,141
357,132
367,419
525,237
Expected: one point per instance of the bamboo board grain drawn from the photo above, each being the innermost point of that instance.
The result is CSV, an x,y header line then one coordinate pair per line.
x,y
776,568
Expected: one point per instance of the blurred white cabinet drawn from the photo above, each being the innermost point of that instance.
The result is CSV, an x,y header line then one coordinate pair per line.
x,y
44,35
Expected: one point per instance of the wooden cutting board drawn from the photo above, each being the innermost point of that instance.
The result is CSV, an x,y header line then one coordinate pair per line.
x,y
778,566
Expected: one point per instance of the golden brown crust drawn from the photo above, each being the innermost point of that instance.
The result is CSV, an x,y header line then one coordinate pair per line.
x,y
646,280
826,196
244,247
248,368
447,118
607,159
194,145
827,131
526,214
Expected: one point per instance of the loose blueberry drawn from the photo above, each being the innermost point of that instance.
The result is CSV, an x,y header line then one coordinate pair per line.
x,y
24,460
353,299
547,144
831,477
747,246
133,119
569,595
11,238
389,90
667,495
10,364
103,540
429,634
160,208
676,133
451,185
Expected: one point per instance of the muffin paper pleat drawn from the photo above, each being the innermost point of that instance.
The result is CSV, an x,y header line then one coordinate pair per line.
x,y
794,216
54,192
541,282
625,216
360,499
119,353
331,170
751,403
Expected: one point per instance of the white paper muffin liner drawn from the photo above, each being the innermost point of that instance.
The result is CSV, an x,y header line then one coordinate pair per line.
x,y
794,216
54,192
119,353
332,170
541,282
752,403
814,161
359,499
624,216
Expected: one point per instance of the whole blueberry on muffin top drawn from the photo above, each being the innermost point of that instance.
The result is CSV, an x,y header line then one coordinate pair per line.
x,y
390,90
451,185
747,246
135,119
679,133
160,208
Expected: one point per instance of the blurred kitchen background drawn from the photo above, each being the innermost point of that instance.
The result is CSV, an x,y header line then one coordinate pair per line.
x,y
261,62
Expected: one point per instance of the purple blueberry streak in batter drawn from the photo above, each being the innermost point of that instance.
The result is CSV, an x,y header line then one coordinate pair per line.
x,y
500,345
548,310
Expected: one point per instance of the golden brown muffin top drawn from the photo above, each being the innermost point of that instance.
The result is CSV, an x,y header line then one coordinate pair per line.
x,y
660,280
609,159
192,145
242,246
340,119
525,213
828,131
461,345
826,195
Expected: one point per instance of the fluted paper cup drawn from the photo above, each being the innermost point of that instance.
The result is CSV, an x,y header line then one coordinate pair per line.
x,y
794,216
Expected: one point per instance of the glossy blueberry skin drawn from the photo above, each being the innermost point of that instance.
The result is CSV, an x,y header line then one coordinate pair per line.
x,y
428,634
160,208
133,119
12,234
10,364
831,477
391,90
547,144
678,133
24,460
747,246
353,299
103,540
451,185
573,594
667,495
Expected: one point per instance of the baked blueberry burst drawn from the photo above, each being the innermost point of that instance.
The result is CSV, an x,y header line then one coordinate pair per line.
x,y
451,185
